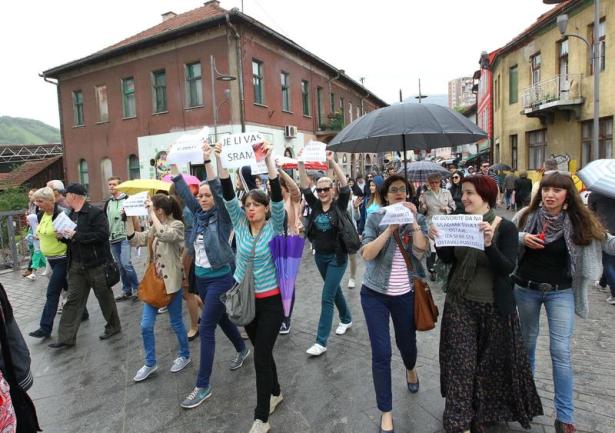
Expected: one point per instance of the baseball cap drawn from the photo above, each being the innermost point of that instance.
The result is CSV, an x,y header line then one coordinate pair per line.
x,y
76,188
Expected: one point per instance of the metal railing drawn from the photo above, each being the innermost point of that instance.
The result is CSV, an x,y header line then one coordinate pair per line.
x,y
14,251
28,152
565,88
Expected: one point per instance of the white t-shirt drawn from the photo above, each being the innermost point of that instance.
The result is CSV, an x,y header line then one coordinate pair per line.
x,y
200,255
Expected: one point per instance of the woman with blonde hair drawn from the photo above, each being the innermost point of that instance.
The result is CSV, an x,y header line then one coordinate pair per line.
x,y
557,232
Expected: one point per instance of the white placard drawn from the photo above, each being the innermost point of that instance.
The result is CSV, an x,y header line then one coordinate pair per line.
x,y
32,221
314,151
188,148
62,223
243,149
396,214
459,231
134,205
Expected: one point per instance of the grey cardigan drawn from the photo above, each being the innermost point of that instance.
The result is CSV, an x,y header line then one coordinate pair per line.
x,y
588,267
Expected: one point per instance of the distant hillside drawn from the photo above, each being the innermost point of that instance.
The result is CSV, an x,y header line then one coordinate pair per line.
x,y
15,130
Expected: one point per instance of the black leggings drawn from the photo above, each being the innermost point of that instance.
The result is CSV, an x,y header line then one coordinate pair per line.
x,y
263,331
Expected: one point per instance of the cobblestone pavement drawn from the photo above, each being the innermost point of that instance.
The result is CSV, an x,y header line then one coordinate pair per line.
x,y
89,389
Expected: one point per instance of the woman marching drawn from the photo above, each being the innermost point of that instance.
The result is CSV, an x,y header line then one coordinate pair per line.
x,y
165,238
388,292
485,374
557,233
213,259
253,231
331,257
455,189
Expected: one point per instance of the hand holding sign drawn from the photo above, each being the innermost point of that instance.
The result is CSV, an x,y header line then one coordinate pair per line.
x,y
188,148
314,151
134,205
396,214
238,150
459,231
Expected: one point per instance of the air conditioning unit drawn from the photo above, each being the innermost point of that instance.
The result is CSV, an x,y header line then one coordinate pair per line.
x,y
290,131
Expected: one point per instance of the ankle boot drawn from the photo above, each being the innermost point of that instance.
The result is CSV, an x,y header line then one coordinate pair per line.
x,y
561,427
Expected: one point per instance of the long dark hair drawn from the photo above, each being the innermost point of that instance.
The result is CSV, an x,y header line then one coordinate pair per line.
x,y
585,225
169,205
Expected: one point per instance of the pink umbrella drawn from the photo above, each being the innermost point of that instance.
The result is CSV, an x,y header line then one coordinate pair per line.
x,y
188,178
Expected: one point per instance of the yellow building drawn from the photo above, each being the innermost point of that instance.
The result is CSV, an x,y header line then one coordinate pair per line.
x,y
543,90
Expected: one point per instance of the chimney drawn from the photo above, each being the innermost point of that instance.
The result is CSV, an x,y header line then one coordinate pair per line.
x,y
168,15
214,3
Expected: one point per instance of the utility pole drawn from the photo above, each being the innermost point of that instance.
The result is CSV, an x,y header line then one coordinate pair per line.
x,y
401,98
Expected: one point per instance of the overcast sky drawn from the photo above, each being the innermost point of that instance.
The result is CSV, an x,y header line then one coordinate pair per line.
x,y
392,43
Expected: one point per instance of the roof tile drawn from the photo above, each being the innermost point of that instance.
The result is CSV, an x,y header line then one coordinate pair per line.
x,y
25,171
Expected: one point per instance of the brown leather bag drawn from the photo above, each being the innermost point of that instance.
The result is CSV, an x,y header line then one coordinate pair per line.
x,y
425,309
152,290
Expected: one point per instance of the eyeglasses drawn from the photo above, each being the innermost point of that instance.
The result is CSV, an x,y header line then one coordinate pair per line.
x,y
456,177
395,190
319,190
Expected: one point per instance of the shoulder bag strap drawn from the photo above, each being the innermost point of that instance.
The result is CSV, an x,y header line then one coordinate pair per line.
x,y
403,251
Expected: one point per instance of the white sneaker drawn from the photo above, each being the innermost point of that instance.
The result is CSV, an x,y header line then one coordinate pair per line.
x,y
32,276
351,283
342,328
260,427
274,401
180,363
163,310
144,373
611,300
316,350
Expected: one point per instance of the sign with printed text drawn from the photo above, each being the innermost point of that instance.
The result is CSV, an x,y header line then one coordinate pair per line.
x,y
396,214
243,149
459,231
62,223
134,205
188,148
314,151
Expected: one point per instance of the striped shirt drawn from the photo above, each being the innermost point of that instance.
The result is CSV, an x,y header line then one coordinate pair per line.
x,y
263,267
399,282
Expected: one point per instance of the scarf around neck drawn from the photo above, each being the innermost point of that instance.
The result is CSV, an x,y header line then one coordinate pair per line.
x,y
464,272
202,219
554,227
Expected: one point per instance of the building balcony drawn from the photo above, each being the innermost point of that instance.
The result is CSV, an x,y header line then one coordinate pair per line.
x,y
560,93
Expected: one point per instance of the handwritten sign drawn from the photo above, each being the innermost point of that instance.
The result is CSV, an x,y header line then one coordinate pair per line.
x,y
238,150
134,205
188,148
63,223
396,214
459,231
314,151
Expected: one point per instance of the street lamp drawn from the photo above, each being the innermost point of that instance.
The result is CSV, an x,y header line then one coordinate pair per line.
x,y
594,49
217,75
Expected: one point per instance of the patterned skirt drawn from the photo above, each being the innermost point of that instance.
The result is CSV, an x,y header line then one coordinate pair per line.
x,y
485,374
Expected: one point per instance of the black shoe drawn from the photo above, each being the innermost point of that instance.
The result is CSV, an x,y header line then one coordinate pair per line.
x,y
381,430
85,318
413,387
39,333
432,276
106,335
192,337
124,297
60,345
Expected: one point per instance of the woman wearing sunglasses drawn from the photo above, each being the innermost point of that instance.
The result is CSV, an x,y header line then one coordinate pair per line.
x,y
331,257
455,190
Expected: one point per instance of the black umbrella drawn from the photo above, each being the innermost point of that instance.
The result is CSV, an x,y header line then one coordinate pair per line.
x,y
403,126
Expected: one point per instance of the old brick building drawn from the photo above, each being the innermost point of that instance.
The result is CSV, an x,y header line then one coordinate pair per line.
x,y
122,105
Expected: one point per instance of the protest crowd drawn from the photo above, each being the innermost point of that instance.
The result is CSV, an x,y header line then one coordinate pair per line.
x,y
229,248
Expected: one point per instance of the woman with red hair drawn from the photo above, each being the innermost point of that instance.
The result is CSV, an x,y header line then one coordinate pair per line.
x,y
485,373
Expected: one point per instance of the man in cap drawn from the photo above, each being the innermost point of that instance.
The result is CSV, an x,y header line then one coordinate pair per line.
x,y
88,251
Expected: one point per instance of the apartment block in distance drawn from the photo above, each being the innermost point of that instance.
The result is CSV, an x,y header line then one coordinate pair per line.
x,y
460,93
121,107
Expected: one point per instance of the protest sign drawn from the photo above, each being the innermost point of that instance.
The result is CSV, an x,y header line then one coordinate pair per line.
x,y
243,149
459,231
396,214
62,223
134,205
314,151
188,148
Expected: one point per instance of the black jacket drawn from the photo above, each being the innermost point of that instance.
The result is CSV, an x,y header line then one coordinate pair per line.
x,y
502,256
90,244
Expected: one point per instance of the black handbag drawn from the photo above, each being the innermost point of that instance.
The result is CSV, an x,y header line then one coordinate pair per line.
x,y
112,272
347,232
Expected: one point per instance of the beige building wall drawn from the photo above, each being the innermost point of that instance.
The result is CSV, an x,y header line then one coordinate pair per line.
x,y
563,130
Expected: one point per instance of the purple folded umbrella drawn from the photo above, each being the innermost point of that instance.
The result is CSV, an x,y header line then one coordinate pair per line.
x,y
287,252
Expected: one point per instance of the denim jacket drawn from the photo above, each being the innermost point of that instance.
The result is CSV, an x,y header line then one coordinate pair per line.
x,y
219,228
378,270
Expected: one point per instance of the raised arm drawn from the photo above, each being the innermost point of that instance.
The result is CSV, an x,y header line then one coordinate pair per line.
x,y
222,172
341,177
209,167
303,177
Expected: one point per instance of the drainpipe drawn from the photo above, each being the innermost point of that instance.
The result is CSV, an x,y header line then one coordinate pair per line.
x,y
239,60
57,84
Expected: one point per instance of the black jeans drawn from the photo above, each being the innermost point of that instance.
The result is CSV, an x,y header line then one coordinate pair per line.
x,y
263,331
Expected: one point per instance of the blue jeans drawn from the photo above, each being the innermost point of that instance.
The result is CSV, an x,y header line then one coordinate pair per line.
x,y
121,254
377,309
214,314
332,273
148,321
560,315
57,282
608,263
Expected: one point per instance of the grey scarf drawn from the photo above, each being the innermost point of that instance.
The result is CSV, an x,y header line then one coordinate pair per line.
x,y
554,227
463,275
